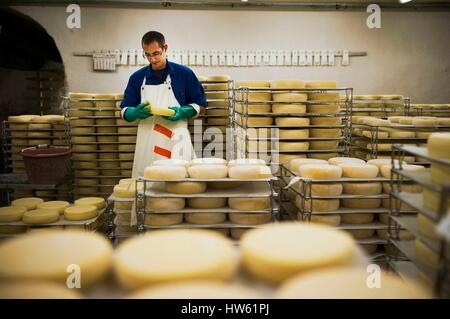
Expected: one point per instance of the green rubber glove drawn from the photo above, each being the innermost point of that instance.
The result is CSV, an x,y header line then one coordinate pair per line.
x,y
181,113
139,112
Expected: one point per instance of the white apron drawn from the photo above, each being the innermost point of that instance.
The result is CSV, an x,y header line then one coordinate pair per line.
x,y
158,138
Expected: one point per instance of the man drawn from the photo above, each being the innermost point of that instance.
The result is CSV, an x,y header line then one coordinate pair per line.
x,y
163,85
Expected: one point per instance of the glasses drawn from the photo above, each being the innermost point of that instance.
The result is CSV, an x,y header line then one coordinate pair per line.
x,y
154,54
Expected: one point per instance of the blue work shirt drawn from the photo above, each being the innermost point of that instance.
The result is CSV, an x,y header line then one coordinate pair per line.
x,y
185,85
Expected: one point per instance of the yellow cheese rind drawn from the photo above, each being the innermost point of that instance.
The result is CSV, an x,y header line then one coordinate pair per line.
x,y
80,212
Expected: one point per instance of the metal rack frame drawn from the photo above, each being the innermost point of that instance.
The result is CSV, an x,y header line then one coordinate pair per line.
x,y
242,127
425,109
403,103
407,264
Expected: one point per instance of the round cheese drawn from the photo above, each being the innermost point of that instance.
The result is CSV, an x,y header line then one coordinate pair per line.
x,y
320,171
358,170
165,204
425,121
292,121
323,108
170,162
343,160
362,188
249,204
326,121
142,260
329,219
357,218
58,205
212,171
208,161
361,233
289,108
223,185
250,218
249,172
28,202
163,219
295,164
218,77
40,216
425,255
186,187
292,146
293,134
165,172
246,162
349,283
290,97
207,203
427,227
11,213
361,203
318,205
206,218
323,145
80,212
325,132
275,253
386,169
98,202
323,96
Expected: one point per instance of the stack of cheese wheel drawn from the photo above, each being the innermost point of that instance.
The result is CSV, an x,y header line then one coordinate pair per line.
x,y
126,130
20,211
362,190
18,131
82,131
125,191
324,105
39,131
305,247
258,97
438,147
107,138
426,125
320,209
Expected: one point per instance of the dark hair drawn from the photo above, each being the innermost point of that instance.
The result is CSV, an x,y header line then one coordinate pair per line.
x,y
152,36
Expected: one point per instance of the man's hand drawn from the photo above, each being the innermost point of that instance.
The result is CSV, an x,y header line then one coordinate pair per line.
x,y
139,112
181,113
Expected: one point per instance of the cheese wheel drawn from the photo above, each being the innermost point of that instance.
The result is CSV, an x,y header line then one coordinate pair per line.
x,y
196,290
125,190
212,171
326,121
303,247
432,200
361,203
252,84
249,172
425,255
40,216
357,218
293,134
295,164
289,97
323,145
427,227
249,109
379,162
250,219
170,162
246,162
362,188
142,260
323,96
288,108
349,283
28,202
223,185
323,108
444,121
249,204
361,233
80,212
254,121
287,84
57,205
425,121
218,77
291,121
11,213
163,219
384,218
37,290
325,132
186,187
358,170
320,84
165,204
122,205
320,171
343,160
318,205
207,203
406,120
208,161
292,146
165,172
91,201
206,218
386,169
253,96
329,219
334,189
439,145
46,256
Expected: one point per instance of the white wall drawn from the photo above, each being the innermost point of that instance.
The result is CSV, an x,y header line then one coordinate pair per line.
x,y
409,55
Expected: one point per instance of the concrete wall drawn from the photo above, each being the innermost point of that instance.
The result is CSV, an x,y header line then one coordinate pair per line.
x,y
409,55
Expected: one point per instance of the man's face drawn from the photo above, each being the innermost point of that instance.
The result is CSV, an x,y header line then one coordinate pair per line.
x,y
155,55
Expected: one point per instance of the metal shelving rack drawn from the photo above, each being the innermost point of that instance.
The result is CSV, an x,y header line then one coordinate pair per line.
x,y
255,188
380,106
200,138
407,264
241,127
15,178
105,183
372,151
305,194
